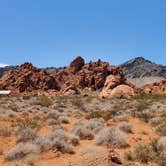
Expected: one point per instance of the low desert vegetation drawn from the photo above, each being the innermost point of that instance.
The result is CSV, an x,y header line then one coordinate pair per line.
x,y
81,130
125,127
43,101
154,151
54,126
96,124
111,137
21,150
26,134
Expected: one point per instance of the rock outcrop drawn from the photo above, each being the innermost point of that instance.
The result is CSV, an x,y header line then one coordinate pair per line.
x,y
91,75
117,86
155,88
27,78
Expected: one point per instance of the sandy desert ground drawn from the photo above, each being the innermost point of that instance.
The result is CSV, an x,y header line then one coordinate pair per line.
x,y
82,131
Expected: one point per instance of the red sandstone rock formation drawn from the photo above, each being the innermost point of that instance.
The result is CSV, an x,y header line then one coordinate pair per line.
x,y
27,78
91,75
154,88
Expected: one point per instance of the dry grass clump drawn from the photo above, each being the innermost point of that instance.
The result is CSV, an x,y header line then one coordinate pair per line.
x,y
153,151
161,128
82,131
122,117
63,119
159,123
106,115
56,140
26,134
27,122
95,124
125,127
62,141
21,150
43,101
162,143
112,137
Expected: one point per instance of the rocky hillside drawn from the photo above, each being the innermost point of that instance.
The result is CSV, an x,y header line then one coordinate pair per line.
x,y
140,67
28,80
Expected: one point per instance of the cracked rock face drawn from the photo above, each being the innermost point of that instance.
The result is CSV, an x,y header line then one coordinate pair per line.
x,y
155,88
27,78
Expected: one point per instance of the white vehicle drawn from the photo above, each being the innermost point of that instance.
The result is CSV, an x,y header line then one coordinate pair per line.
x,y
5,92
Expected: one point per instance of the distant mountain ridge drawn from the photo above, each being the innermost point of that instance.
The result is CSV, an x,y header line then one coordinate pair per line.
x,y
140,67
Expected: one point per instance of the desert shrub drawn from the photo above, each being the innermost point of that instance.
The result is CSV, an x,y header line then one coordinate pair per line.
x,y
95,124
63,119
82,131
122,117
43,101
62,146
51,121
125,127
128,155
161,128
162,143
53,115
27,122
61,141
26,134
43,142
106,115
93,114
14,107
77,101
144,115
112,137
21,150
149,152
143,153
73,139
155,121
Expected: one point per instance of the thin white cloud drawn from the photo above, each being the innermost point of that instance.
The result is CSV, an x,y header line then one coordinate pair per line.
x,y
3,65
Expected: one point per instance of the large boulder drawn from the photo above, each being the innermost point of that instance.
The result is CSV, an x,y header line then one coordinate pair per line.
x,y
155,88
77,64
117,86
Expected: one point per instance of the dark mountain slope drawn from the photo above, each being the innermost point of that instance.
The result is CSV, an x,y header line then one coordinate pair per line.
x,y
140,67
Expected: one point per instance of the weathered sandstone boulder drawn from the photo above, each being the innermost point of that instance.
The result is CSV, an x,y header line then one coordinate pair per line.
x,y
117,86
155,88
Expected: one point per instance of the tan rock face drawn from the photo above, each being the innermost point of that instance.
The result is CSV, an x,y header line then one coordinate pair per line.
x,y
117,86
27,78
154,88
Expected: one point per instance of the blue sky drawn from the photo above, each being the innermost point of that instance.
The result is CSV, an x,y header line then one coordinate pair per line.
x,y
53,32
